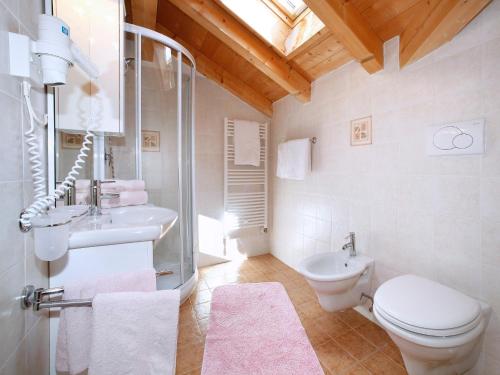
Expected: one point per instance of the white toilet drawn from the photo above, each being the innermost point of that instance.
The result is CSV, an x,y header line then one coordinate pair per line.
x,y
437,329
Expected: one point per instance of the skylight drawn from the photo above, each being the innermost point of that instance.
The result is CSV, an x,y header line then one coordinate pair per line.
x,y
292,8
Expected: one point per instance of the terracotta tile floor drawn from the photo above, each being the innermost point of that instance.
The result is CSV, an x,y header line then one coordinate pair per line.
x,y
345,342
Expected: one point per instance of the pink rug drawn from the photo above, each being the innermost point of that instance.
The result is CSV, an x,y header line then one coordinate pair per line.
x,y
254,330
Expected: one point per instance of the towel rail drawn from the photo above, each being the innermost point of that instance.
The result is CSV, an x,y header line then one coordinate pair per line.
x,y
245,186
32,297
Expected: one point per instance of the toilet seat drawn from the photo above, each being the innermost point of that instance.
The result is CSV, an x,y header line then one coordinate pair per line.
x,y
428,340
425,307
427,331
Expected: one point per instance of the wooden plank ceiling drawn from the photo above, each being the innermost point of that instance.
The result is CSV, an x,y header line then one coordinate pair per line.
x,y
262,67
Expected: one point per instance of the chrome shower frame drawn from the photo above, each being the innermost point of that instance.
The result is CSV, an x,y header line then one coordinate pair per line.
x,y
140,32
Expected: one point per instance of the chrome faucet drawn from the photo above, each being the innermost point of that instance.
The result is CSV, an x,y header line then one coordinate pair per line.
x,y
96,196
351,245
70,195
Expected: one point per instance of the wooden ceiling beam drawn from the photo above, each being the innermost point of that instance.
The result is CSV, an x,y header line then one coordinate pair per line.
x,y
332,62
351,29
436,23
217,73
241,40
304,34
144,14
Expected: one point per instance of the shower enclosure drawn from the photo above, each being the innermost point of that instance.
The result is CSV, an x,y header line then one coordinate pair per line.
x,y
157,144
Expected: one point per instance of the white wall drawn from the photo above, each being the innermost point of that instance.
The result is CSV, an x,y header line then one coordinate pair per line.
x,y
438,217
213,103
24,339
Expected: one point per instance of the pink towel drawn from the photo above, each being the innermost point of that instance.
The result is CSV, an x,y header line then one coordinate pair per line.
x,y
83,197
254,329
123,185
82,185
135,333
112,187
126,198
75,323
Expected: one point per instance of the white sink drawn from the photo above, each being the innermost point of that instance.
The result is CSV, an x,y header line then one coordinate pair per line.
x,y
122,225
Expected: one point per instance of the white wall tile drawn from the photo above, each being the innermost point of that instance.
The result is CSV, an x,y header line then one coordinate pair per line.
x,y
457,195
12,320
438,217
213,103
490,203
490,246
21,331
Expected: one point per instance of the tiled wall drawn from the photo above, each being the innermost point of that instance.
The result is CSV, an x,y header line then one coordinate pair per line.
x,y
438,217
213,103
24,341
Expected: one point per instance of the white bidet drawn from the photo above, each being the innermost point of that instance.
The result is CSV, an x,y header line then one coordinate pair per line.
x,y
338,281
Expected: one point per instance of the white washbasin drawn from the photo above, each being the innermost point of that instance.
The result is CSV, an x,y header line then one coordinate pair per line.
x,y
122,225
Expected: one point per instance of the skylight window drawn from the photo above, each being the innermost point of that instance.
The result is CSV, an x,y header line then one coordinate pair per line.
x,y
292,8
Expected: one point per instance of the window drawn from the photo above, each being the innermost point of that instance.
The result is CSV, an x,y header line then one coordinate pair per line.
x,y
292,8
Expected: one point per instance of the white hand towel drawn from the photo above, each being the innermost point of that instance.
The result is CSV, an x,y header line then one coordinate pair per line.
x,y
246,143
135,333
75,323
294,159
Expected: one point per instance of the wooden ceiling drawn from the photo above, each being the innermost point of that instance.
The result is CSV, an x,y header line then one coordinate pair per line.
x,y
257,66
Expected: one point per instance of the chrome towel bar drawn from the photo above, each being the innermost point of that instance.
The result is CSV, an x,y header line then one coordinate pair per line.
x,y
32,297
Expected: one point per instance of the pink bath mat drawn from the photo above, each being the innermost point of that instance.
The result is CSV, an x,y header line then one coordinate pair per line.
x,y
254,330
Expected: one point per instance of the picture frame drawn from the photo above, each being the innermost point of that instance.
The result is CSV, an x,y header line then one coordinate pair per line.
x,y
361,131
71,140
150,141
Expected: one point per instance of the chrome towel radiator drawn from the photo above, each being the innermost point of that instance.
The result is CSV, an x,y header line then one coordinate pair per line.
x,y
245,186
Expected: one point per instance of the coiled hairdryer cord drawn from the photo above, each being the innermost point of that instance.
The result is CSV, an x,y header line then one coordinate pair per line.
x,y
43,201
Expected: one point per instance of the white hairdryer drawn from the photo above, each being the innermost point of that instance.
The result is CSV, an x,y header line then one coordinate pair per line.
x,y
58,52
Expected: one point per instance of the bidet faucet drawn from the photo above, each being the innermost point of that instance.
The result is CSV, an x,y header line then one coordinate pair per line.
x,y
351,245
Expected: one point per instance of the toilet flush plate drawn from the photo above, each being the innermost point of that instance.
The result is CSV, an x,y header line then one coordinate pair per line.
x,y
457,138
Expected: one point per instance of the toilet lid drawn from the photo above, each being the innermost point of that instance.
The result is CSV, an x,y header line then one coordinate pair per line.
x,y
427,307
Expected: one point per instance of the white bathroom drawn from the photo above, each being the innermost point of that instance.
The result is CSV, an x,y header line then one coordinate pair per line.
x,y
280,187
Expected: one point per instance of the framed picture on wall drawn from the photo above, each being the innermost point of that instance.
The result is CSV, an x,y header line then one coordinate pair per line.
x,y
150,141
71,140
361,131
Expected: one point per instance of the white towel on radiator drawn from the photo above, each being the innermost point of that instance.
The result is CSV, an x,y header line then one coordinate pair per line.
x,y
246,143
294,159
135,333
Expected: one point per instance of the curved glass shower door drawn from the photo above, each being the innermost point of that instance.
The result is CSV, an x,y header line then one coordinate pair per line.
x,y
162,118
